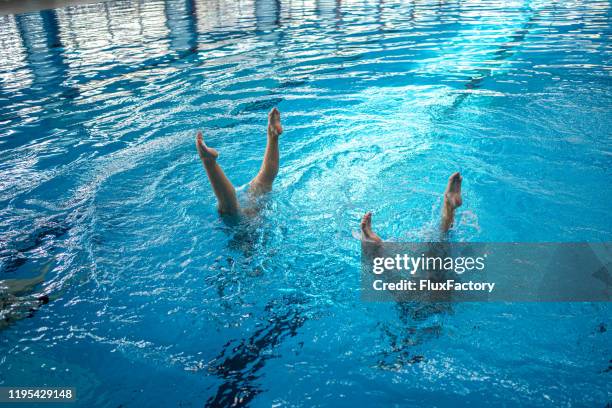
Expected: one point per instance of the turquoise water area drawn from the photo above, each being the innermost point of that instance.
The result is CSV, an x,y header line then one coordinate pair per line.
x,y
155,301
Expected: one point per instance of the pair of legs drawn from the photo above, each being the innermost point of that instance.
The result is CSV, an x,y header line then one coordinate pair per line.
x,y
262,183
452,200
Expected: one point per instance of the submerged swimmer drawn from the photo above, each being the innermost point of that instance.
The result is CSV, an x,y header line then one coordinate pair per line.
x,y
452,201
262,183
415,309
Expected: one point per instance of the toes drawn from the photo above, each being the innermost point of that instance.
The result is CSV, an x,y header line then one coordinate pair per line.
x,y
366,221
274,116
198,141
457,183
457,177
274,125
454,183
205,152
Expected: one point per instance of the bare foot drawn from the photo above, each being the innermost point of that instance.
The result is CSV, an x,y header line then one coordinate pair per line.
x,y
207,154
452,195
452,200
366,229
274,123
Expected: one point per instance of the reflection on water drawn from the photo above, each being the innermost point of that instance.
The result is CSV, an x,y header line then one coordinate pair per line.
x,y
382,101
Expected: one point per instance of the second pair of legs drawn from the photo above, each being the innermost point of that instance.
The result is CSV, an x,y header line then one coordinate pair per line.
x,y
452,201
262,183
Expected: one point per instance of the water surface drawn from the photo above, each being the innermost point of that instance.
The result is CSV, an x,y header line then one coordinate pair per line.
x,y
157,302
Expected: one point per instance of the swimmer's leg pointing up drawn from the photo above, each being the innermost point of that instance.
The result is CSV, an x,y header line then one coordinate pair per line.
x,y
262,183
371,243
223,188
452,200
367,235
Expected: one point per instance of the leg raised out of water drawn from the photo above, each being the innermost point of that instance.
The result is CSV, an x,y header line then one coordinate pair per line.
x,y
367,235
262,183
371,243
223,188
452,200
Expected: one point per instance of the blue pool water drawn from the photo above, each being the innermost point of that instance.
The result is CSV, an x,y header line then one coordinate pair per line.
x,y
154,301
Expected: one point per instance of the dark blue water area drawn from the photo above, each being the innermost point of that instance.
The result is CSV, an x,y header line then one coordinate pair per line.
x,y
154,300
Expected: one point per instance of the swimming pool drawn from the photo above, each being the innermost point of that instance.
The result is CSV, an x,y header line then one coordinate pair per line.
x,y
155,301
